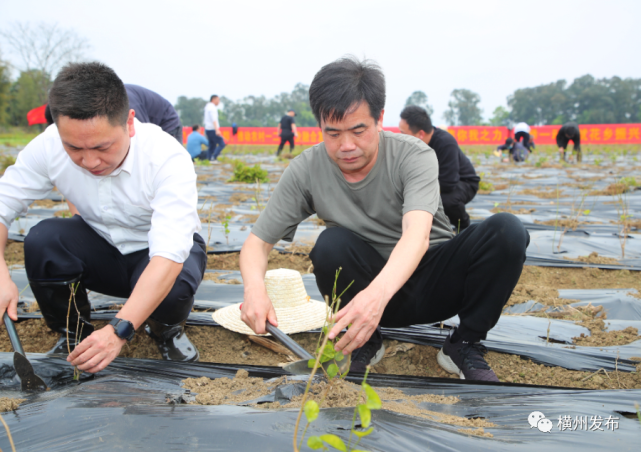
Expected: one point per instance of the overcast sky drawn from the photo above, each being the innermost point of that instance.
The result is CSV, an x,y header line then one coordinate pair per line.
x,y
238,48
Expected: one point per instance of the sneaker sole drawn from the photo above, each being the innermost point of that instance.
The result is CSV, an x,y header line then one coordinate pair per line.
x,y
448,365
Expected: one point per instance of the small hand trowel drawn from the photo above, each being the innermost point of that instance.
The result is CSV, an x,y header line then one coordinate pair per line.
x,y
29,381
301,367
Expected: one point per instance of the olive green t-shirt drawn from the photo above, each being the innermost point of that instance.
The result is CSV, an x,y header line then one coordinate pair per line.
x,y
404,178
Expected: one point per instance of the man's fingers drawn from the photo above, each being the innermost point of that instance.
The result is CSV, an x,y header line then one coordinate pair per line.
x,y
91,363
13,310
271,317
79,350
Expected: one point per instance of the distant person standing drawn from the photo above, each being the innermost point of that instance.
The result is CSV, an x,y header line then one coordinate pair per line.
x,y
456,176
522,134
212,129
152,108
194,144
569,132
287,131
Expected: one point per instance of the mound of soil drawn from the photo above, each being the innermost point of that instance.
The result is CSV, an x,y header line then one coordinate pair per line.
x,y
544,295
594,258
9,404
600,338
571,224
337,394
540,193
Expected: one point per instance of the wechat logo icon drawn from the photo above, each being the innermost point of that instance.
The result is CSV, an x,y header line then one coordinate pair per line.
x,y
536,419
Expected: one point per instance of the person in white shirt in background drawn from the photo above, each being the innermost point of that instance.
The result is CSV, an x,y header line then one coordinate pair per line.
x,y
136,235
522,135
212,129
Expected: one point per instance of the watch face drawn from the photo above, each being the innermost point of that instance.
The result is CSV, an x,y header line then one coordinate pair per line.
x,y
124,329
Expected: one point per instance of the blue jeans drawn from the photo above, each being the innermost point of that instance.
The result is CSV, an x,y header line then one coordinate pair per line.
x,y
216,144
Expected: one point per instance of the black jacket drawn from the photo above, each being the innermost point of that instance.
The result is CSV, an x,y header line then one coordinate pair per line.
x,y
571,129
453,165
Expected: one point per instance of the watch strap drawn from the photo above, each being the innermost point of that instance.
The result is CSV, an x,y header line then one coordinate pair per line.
x,y
118,329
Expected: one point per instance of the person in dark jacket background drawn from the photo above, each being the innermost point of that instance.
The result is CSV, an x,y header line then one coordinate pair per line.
x,y
287,131
456,176
151,107
569,132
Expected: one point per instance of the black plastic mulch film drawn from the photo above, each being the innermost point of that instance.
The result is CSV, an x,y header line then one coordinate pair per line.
x,y
137,404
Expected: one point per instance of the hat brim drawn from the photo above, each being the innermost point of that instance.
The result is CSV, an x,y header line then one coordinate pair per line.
x,y
291,320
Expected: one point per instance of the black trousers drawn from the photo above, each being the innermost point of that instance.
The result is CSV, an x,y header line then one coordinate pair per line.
x,y
454,203
472,275
284,138
59,249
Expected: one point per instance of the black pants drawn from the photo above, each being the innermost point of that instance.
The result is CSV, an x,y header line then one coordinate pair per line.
x,y
525,136
59,249
472,275
454,203
284,138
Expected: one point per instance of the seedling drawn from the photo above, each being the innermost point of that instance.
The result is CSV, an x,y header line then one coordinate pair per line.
x,y
247,174
256,198
226,227
72,298
326,352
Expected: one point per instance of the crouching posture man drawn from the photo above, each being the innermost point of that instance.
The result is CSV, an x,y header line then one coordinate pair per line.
x,y
135,236
378,194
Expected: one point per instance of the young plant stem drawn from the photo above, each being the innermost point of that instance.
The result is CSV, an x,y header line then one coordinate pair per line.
x,y
72,297
309,384
351,430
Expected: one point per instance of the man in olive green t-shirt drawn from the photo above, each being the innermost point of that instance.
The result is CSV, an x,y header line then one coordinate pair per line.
x,y
378,194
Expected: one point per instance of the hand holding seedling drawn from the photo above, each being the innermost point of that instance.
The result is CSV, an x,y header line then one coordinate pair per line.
x,y
97,351
364,314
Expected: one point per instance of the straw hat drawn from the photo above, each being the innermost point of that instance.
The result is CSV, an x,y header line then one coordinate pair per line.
x,y
295,311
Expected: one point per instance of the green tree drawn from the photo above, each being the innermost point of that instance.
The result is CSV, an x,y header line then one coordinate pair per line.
x,y
540,105
500,117
5,92
191,110
419,98
463,108
25,95
44,48
260,111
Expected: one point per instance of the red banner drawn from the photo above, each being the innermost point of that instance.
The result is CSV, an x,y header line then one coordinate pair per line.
x,y
307,136
590,134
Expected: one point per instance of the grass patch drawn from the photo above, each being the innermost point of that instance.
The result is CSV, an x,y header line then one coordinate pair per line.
x,y
17,138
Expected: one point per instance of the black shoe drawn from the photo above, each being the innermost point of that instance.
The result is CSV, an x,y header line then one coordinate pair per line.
x,y
54,299
173,343
369,354
466,360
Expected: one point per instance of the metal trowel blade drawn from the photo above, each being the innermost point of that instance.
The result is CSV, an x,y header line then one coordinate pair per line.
x,y
301,368
29,381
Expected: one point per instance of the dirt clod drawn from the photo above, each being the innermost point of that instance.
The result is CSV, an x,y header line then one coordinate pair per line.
x,y
9,404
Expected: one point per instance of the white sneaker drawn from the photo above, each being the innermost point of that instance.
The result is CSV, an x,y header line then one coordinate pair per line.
x,y
214,162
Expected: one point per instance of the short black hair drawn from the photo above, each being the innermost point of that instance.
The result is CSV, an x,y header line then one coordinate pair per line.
x,y
88,90
195,127
344,84
213,96
48,116
417,119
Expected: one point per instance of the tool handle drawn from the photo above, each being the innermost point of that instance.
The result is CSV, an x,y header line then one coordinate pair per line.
x,y
13,334
287,341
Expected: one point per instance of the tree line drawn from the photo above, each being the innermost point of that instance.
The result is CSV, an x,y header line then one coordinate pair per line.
x,y
42,48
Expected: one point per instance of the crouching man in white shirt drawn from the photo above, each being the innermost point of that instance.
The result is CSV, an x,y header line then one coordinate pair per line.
x,y
136,235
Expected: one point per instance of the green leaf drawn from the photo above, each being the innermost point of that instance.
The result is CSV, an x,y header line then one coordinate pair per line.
x,y
310,363
339,356
314,442
325,330
586,212
311,410
365,414
329,350
332,370
334,441
373,400
363,434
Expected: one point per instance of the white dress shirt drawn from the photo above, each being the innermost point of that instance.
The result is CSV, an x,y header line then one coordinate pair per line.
x,y
211,115
148,202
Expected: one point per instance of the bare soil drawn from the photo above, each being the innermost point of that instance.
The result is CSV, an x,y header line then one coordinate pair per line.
x,y
338,394
14,253
540,193
594,258
9,404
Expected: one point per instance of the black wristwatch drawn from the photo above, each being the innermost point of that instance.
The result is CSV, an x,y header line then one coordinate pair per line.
x,y
124,329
